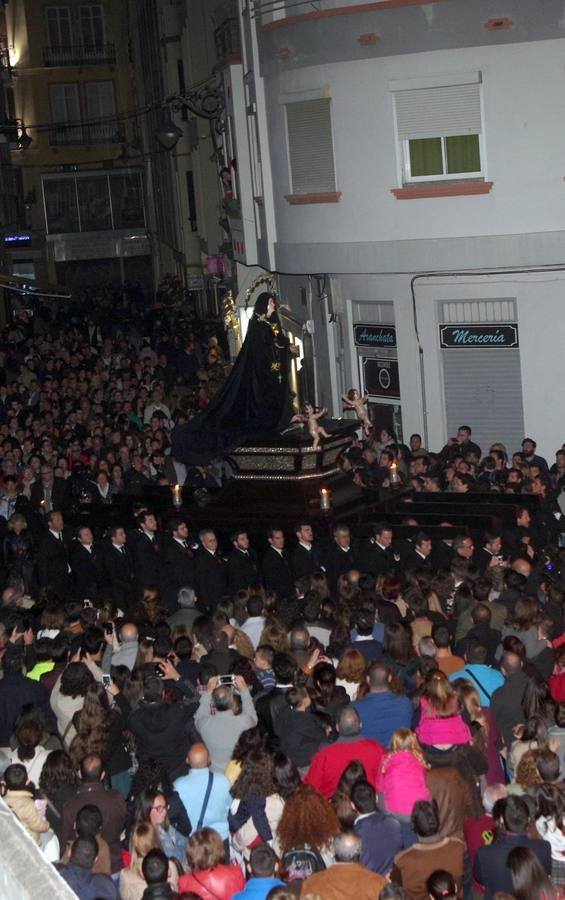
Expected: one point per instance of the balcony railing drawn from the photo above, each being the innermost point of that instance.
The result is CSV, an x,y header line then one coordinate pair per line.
x,y
79,55
72,135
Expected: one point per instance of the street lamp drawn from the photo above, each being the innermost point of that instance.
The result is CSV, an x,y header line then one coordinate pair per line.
x,y
205,100
168,134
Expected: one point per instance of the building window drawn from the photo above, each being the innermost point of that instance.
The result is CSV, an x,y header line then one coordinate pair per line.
x,y
93,202
310,146
91,21
440,130
76,36
65,114
83,116
127,200
59,28
191,201
100,111
61,205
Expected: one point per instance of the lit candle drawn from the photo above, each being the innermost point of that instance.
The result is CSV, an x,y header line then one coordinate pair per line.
x,y
177,495
42,506
394,476
325,499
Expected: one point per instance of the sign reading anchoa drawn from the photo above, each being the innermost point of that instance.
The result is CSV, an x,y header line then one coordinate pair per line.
x,y
455,336
378,336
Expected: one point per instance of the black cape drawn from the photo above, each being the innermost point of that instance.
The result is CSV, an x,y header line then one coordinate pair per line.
x,y
254,402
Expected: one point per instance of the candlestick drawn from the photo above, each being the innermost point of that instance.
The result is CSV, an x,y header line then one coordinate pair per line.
x,y
325,499
177,495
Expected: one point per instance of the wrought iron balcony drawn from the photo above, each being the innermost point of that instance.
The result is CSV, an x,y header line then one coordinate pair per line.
x,y
73,135
80,55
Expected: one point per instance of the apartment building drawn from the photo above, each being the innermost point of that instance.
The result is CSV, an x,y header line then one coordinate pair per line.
x,y
83,174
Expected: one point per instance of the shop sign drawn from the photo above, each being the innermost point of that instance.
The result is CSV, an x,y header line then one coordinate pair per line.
x,y
380,377
464,336
378,336
20,238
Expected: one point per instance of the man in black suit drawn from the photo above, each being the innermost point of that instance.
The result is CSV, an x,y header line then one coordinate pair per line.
x,y
304,558
85,565
442,550
375,556
403,547
524,535
339,557
489,556
48,493
210,572
242,568
277,575
146,551
419,556
117,567
53,558
177,563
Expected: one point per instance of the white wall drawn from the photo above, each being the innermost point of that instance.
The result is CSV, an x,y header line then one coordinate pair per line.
x,y
523,103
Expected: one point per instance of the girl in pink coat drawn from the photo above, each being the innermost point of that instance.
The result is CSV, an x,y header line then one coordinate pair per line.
x,y
402,776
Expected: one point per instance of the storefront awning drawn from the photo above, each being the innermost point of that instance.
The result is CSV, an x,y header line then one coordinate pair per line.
x,y
33,288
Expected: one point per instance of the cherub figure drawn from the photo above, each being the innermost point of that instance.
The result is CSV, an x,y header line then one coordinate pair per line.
x,y
354,400
316,431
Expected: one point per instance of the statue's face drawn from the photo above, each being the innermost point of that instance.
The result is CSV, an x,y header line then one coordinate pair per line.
x,y
270,307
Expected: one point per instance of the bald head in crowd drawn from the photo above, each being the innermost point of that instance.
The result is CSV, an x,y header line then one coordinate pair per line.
x,y
198,757
128,632
349,723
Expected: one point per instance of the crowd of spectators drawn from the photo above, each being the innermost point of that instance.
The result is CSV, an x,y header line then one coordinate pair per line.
x,y
185,715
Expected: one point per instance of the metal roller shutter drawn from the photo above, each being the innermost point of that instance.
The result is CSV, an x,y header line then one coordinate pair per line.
x,y
483,389
438,112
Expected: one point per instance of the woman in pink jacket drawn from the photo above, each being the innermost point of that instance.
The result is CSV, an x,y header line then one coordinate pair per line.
x,y
402,776
441,724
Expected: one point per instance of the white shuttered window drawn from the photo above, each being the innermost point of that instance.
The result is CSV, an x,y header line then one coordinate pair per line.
x,y
440,128
310,146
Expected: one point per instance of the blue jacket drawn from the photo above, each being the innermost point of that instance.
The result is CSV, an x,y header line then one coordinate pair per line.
x,y
490,679
191,789
257,888
88,886
381,840
382,714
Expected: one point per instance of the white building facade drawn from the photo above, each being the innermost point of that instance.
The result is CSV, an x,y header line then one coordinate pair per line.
x,y
402,166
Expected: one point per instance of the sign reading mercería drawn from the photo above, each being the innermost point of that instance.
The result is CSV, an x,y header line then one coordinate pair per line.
x,y
374,335
464,336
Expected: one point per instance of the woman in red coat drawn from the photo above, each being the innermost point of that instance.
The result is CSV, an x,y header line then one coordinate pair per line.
x,y
210,878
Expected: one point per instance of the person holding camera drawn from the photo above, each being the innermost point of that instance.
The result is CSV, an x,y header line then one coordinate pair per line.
x,y
162,730
226,709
